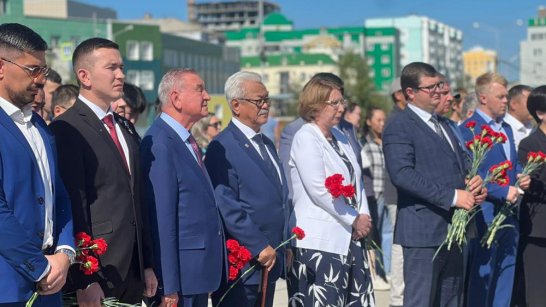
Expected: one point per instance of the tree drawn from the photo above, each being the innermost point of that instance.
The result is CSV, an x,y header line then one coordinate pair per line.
x,y
359,87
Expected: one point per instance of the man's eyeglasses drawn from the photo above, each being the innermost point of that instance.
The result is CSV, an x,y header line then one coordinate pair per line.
x,y
258,102
432,88
216,125
336,103
33,72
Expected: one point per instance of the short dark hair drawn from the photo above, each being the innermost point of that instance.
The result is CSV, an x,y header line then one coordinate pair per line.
x,y
412,74
517,90
63,96
17,37
54,77
88,46
537,102
350,108
134,97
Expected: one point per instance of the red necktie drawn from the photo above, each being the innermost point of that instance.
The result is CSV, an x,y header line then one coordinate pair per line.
x,y
109,121
196,150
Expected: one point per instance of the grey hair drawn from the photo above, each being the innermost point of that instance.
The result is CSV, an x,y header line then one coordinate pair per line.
x,y
234,85
171,79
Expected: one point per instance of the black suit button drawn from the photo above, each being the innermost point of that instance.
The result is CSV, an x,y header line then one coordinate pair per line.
x,y
40,234
41,200
133,222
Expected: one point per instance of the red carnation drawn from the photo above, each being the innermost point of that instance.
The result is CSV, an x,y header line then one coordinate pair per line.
x,y
99,246
244,255
501,138
232,245
233,272
335,179
336,190
531,156
300,234
83,239
348,191
232,258
487,141
470,144
470,124
90,265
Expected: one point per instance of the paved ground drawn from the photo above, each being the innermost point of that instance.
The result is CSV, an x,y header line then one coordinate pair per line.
x,y
281,298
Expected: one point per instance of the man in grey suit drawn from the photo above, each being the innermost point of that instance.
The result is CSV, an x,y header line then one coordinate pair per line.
x,y
428,169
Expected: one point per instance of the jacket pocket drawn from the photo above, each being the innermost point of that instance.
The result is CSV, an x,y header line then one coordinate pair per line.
x,y
191,243
102,228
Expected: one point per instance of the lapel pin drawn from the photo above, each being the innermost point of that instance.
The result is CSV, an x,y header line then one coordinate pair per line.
x,y
246,145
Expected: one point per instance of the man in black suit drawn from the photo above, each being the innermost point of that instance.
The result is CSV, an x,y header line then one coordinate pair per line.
x,y
99,163
428,168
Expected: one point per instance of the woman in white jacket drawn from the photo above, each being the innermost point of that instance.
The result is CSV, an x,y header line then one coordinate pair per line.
x,y
330,265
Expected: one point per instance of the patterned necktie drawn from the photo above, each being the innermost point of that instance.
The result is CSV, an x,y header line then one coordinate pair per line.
x,y
437,127
265,156
109,121
196,151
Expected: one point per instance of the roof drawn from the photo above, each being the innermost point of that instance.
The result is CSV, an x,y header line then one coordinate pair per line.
x,y
276,19
291,60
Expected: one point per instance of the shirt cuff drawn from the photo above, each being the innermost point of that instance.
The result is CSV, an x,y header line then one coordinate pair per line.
x,y
66,247
47,269
454,199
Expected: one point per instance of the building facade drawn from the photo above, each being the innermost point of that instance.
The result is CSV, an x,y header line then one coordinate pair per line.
x,y
533,53
478,61
426,40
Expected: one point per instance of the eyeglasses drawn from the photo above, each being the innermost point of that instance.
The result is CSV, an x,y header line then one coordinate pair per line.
x,y
216,125
432,88
336,103
258,102
33,72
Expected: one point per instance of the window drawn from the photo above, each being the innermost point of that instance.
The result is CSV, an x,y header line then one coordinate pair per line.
x,y
170,58
55,40
3,7
384,47
385,72
132,76
385,59
146,80
371,61
132,50
537,51
146,51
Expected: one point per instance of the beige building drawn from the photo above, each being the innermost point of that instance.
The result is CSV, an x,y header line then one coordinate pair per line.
x,y
478,61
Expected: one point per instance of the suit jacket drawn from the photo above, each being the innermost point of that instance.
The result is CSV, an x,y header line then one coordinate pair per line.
x,y
496,195
22,210
106,198
533,212
186,224
426,170
252,203
326,221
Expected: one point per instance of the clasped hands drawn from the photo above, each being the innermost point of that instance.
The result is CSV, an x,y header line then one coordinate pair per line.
x,y
475,195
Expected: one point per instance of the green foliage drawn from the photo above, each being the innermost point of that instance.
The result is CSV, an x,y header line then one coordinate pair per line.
x,y
359,86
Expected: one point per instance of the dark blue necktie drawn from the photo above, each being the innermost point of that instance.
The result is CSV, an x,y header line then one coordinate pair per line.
x,y
265,156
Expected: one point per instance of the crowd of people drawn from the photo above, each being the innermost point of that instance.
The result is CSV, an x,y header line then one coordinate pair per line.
x,y
375,194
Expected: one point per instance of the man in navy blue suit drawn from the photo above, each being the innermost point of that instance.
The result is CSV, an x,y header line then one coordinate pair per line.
x,y
428,168
250,187
186,225
36,239
491,271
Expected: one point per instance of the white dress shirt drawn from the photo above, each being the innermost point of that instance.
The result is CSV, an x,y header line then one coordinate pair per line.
x,y
249,133
519,129
101,114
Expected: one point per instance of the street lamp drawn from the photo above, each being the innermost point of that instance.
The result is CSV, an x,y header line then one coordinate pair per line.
x,y
488,28
112,35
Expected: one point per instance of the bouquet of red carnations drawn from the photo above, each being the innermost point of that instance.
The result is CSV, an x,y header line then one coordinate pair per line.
x,y
534,160
478,146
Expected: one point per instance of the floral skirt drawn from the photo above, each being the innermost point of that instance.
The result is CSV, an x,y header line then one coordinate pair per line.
x,y
319,278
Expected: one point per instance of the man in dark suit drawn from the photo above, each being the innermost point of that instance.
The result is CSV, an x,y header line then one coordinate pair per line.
x,y
36,239
427,167
491,271
100,165
186,225
250,187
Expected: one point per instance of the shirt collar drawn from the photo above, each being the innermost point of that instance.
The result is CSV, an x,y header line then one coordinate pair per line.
x,y
514,122
21,116
98,111
246,130
424,115
182,132
488,119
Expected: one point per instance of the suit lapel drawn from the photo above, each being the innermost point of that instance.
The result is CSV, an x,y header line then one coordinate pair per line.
x,y
249,149
91,119
8,123
430,133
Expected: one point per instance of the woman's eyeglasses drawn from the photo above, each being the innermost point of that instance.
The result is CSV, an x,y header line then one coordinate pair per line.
x,y
216,125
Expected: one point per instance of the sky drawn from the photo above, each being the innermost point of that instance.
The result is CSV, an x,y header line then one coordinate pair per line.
x,y
498,19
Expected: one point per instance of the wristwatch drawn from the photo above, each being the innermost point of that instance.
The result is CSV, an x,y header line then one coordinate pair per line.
x,y
70,253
